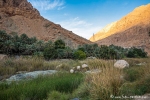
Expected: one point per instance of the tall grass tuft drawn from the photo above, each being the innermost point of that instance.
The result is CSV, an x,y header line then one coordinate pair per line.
x,y
104,83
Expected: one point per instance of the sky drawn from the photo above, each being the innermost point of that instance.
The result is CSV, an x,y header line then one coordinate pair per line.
x,y
85,17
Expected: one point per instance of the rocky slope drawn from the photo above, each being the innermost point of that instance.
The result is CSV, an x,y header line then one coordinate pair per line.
x,y
19,16
131,30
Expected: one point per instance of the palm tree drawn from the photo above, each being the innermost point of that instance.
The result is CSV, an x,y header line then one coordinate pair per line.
x,y
8,46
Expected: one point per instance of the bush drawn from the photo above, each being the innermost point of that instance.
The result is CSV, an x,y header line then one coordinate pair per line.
x,y
59,44
136,53
79,55
55,95
50,53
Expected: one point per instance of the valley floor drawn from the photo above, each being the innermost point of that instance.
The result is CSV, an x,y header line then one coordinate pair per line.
x,y
107,83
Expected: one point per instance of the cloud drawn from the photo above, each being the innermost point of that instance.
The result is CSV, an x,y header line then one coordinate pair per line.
x,y
80,27
48,4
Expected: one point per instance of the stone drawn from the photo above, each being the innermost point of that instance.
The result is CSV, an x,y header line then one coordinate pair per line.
x,y
121,64
71,71
75,99
91,57
93,71
29,75
78,67
140,64
84,66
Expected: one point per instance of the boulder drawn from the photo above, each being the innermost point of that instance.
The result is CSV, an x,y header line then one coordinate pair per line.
x,y
75,99
71,71
84,66
121,64
78,67
29,75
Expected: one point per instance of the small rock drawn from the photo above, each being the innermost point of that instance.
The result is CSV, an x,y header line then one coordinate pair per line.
x,y
91,57
75,99
93,71
71,71
84,66
78,67
121,64
140,64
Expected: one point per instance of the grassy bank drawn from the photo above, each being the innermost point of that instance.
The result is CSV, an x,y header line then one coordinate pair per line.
x,y
38,89
101,85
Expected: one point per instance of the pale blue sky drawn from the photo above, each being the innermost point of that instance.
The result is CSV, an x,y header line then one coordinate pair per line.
x,y
85,17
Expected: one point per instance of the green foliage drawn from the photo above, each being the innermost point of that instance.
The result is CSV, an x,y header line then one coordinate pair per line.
x,y
38,89
50,52
104,52
59,44
136,53
78,54
12,44
88,49
56,95
133,74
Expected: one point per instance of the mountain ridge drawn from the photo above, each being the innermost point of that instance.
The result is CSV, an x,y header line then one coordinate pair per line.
x,y
19,16
130,30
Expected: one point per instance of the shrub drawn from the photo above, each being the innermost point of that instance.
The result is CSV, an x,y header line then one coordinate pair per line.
x,y
50,53
55,95
135,53
79,55
59,44
133,74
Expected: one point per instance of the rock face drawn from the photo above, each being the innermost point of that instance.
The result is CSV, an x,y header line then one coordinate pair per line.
x,y
131,30
121,64
19,16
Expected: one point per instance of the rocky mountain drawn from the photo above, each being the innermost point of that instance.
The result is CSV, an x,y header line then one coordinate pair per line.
x,y
19,16
131,30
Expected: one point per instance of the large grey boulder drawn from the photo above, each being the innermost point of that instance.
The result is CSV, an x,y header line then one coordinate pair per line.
x,y
121,64
29,75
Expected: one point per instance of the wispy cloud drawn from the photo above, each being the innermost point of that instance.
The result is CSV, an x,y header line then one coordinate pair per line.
x,y
80,27
48,4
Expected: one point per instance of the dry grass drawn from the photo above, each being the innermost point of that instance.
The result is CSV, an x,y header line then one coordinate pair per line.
x,y
10,66
104,83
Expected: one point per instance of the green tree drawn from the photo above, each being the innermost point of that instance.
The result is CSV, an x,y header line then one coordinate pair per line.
x,y
78,54
136,53
8,46
59,44
24,39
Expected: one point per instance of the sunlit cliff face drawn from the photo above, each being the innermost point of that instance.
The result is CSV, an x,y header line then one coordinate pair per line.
x,y
140,15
